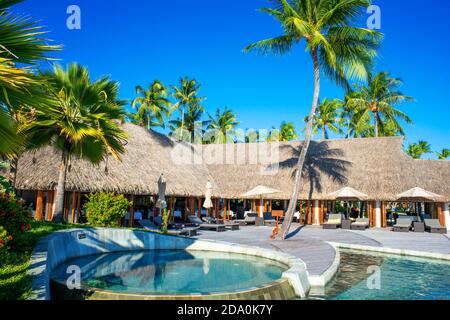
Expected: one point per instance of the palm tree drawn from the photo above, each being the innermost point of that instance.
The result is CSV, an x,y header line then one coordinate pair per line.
x,y
337,49
190,125
444,154
186,95
417,150
22,45
376,103
327,117
222,126
152,105
84,123
285,133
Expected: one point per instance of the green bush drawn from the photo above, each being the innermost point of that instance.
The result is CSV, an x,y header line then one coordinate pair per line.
x,y
14,217
4,240
106,209
165,221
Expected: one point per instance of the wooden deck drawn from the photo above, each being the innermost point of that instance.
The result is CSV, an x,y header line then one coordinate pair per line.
x,y
310,243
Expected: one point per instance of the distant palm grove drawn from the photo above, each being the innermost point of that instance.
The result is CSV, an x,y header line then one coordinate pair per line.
x,y
81,116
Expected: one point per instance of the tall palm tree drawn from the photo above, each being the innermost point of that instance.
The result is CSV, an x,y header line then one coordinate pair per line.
x,y
327,118
336,48
444,154
417,150
376,103
222,126
285,133
22,45
190,126
186,95
83,123
153,104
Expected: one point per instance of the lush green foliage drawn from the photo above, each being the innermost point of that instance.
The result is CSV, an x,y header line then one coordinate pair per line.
x,y
286,132
106,209
152,105
417,150
165,221
22,45
327,118
15,283
14,217
444,154
221,126
376,102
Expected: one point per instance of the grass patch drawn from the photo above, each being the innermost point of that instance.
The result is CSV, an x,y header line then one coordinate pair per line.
x,y
15,284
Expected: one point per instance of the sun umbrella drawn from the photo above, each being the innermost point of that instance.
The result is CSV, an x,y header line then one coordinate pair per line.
x,y
419,195
260,191
161,203
347,194
208,202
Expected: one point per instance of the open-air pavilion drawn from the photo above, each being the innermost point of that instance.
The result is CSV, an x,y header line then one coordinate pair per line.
x,y
376,168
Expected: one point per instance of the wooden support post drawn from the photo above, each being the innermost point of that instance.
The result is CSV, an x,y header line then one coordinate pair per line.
x,y
72,207
171,204
301,213
440,213
51,205
229,209
132,210
39,205
185,209
66,206
155,209
322,212
79,206
253,205
308,213
200,208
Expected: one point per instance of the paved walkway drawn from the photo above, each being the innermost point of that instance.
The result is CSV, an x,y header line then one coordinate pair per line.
x,y
310,243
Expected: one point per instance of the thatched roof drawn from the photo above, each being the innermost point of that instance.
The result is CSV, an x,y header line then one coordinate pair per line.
x,y
147,156
377,167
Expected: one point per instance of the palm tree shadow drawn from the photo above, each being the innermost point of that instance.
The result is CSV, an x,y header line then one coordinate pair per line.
x,y
320,160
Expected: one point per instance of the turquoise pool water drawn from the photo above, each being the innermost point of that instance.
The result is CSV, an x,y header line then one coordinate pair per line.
x,y
172,272
400,279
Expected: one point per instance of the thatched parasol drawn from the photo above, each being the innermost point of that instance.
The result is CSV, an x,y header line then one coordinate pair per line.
x,y
419,195
260,191
208,202
347,194
161,203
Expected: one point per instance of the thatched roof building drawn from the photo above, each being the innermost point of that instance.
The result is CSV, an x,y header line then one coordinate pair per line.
x,y
377,167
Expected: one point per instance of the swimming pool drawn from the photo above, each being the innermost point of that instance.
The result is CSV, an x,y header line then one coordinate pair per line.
x,y
400,278
171,272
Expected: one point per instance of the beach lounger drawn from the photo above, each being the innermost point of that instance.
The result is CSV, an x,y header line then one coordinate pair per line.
x,y
334,221
360,224
269,220
187,231
228,224
434,226
250,219
403,224
206,226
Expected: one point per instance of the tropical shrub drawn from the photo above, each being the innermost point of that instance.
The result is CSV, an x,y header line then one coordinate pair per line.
x,y
15,218
165,221
106,209
4,240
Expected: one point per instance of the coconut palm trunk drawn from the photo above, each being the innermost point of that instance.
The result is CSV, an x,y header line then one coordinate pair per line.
x,y
376,120
58,213
302,158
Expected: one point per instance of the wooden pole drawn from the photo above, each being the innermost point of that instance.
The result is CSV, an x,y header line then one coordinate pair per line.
x,y
66,206
50,207
301,213
171,204
79,205
200,208
39,205
229,209
132,211
72,207
440,211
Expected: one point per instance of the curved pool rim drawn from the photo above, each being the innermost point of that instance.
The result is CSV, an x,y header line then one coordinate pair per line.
x,y
68,244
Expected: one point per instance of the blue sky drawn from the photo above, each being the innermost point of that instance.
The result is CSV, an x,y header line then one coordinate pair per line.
x,y
137,41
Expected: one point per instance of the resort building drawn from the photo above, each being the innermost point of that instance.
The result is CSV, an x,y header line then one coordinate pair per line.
x,y
376,167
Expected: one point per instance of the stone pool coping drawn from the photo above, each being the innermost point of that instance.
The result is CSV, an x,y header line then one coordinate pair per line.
x,y
387,250
67,244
